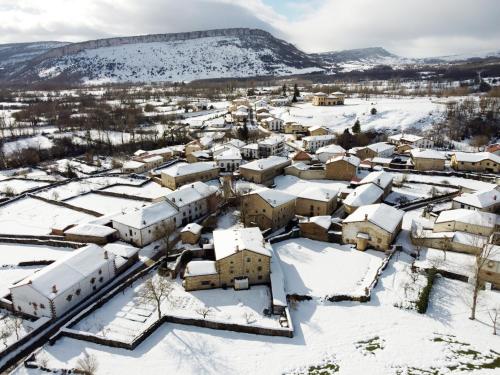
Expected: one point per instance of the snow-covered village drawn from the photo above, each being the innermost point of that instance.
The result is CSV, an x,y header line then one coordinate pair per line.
x,y
221,202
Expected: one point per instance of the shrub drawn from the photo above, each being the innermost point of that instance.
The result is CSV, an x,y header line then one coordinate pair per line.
x,y
425,293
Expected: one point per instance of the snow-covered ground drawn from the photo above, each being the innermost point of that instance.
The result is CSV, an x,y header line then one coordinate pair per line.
x,y
14,253
392,114
126,315
405,342
19,186
31,216
410,192
321,269
105,204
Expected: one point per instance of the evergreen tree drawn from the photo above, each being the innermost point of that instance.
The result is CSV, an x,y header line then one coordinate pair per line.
x,y
284,89
296,92
373,111
356,129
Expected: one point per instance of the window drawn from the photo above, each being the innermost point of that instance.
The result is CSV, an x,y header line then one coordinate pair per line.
x,y
101,279
259,277
94,288
78,291
248,260
100,272
42,306
205,282
260,260
259,268
92,280
69,297
130,231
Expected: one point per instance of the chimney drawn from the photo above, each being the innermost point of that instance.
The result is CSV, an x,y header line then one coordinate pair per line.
x,y
54,288
366,217
494,197
106,254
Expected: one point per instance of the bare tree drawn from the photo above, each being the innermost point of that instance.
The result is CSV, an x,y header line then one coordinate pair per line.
x,y
87,365
155,291
204,311
14,323
493,313
482,258
5,333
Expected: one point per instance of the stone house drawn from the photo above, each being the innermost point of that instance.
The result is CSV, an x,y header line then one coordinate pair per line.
x,y
273,124
267,209
183,173
263,171
316,228
469,221
295,128
322,99
381,149
250,151
380,178
475,162
342,168
91,233
375,225
427,160
363,195
191,233
313,143
412,140
271,146
325,153
242,259
316,201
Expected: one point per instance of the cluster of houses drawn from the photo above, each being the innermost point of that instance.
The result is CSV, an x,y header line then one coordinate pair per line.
x,y
241,257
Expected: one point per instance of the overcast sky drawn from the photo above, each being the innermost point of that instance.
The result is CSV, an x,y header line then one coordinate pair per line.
x,y
413,28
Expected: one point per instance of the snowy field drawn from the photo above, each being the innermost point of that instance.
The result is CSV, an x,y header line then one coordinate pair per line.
x,y
321,269
19,185
14,254
31,216
11,274
150,190
73,188
468,184
126,316
104,204
356,337
392,114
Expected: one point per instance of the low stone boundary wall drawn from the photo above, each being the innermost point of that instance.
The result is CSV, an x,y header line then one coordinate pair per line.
x,y
120,195
423,202
468,175
54,241
66,205
131,345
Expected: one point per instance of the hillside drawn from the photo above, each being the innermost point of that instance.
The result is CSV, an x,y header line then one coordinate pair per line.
x,y
170,57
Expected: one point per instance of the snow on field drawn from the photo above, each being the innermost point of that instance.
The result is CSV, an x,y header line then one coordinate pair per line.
x,y
149,190
321,269
19,185
17,327
104,204
125,316
294,185
397,114
73,188
375,336
13,254
39,142
31,216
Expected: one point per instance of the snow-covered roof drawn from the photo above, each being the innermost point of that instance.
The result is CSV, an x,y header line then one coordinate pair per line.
x,y
379,160
354,160
363,195
381,215
182,169
480,199
200,268
140,152
262,164
475,157
68,271
461,215
331,149
163,150
427,154
274,197
122,249
251,146
326,137
379,178
405,137
192,228
230,153
229,241
190,193
94,230
271,141
270,119
323,221
380,147
144,217
319,193
132,164
152,159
